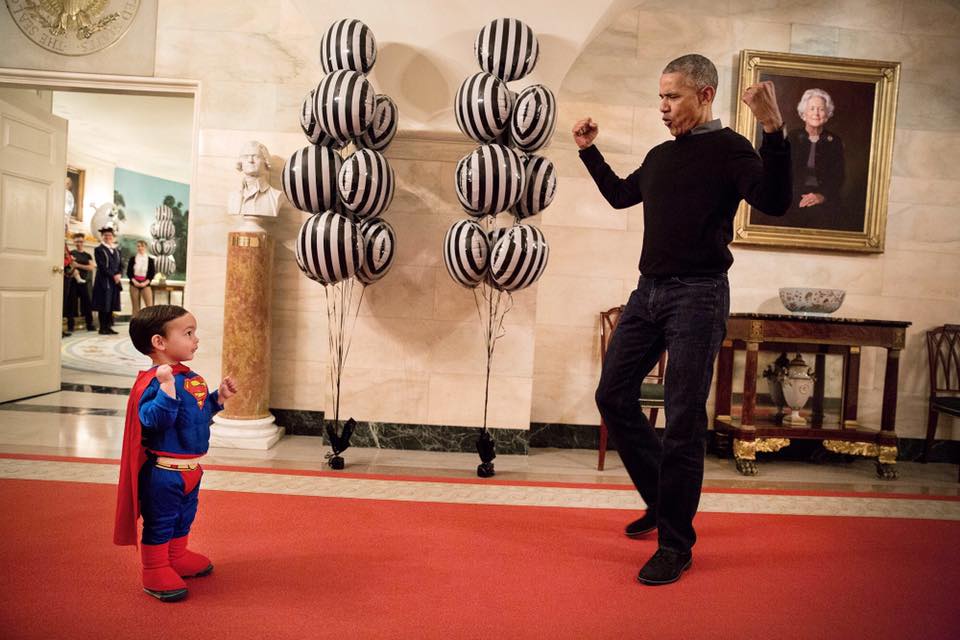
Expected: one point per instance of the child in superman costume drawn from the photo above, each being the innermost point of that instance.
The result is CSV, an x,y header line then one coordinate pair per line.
x,y
166,433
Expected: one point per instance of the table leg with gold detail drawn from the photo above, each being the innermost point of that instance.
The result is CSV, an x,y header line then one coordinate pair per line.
x,y
752,432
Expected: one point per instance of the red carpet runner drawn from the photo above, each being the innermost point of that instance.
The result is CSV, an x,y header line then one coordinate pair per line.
x,y
305,567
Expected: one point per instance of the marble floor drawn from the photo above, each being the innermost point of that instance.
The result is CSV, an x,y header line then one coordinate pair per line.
x,y
85,421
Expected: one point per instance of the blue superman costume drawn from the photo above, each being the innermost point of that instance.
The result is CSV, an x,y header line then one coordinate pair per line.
x,y
159,432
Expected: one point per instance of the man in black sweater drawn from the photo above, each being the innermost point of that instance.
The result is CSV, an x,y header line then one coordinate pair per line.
x,y
690,188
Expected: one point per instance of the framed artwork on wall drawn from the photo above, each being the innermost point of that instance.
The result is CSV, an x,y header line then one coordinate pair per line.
x,y
73,203
839,115
137,197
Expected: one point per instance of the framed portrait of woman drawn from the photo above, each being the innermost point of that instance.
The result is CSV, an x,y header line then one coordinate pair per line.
x,y
73,200
839,116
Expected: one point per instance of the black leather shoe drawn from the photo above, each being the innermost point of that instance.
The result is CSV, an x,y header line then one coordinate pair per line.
x,y
643,525
664,567
112,332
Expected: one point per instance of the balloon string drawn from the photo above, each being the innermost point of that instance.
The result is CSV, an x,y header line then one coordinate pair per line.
x,y
331,340
491,315
356,313
340,308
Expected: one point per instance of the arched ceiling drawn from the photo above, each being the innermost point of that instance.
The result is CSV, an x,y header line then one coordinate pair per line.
x,y
425,48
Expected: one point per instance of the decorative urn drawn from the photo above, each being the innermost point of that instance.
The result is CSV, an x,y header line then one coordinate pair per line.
x,y
797,388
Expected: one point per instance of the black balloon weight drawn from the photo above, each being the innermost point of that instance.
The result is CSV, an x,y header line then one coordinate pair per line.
x,y
339,443
487,449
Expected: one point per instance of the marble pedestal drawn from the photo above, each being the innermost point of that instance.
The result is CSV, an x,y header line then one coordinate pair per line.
x,y
246,421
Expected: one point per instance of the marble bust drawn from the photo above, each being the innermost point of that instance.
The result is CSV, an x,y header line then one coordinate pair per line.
x,y
255,197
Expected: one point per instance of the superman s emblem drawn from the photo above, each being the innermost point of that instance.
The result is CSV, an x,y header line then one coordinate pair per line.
x,y
197,387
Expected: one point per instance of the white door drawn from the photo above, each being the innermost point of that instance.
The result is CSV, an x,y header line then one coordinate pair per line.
x,y
33,161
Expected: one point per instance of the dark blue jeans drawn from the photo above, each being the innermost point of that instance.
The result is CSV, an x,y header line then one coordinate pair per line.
x,y
687,316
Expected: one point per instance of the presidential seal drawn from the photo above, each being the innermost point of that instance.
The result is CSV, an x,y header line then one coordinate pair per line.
x,y
73,27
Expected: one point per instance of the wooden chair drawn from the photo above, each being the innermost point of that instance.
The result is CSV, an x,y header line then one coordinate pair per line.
x,y
943,350
651,393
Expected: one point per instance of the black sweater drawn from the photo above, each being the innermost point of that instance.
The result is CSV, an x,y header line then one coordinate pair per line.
x,y
690,188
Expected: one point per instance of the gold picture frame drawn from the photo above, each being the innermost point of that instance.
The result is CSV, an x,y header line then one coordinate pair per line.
x,y
857,149
74,184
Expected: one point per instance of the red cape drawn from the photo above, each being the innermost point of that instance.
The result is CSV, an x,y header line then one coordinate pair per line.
x,y
132,458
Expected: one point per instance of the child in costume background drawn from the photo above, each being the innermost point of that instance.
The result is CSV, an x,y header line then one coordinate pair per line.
x,y
166,434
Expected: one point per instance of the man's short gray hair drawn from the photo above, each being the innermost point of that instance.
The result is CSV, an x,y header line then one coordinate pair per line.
x,y
815,93
699,69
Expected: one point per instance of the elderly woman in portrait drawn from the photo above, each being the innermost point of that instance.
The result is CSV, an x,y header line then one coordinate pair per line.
x,y
818,165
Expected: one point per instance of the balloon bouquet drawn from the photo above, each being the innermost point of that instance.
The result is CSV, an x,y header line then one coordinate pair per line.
x,y
503,173
343,180
163,244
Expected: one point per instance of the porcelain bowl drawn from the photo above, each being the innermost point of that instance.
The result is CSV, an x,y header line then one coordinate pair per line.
x,y
811,300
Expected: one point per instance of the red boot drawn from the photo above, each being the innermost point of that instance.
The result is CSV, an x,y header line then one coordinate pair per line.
x,y
159,579
187,563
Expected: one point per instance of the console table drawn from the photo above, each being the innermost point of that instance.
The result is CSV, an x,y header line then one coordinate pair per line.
x,y
169,288
822,335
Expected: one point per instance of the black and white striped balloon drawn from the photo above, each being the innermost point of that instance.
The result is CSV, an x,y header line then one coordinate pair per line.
x,y
311,128
163,229
466,253
383,127
507,48
366,183
539,188
519,258
495,234
490,179
344,105
482,107
379,249
163,247
348,44
329,248
166,265
310,179
164,213
534,118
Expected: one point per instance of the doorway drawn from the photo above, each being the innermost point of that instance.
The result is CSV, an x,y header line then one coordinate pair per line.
x,y
129,163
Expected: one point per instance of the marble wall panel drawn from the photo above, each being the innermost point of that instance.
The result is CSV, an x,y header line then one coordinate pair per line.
x,y
579,204
921,274
405,292
298,335
923,191
457,399
814,40
206,276
772,269
371,393
210,55
300,384
934,17
924,227
209,226
593,252
575,350
238,105
574,301
884,15
265,16
614,121
565,398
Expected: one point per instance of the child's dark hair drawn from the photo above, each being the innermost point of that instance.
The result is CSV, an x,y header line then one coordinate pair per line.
x,y
149,322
